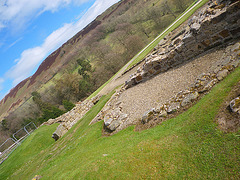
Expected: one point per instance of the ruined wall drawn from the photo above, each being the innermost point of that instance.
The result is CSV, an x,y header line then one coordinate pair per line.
x,y
216,24
70,118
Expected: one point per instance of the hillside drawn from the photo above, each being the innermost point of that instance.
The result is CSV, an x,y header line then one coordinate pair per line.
x,y
110,41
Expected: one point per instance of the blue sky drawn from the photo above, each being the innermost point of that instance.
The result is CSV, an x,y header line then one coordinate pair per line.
x,y
31,29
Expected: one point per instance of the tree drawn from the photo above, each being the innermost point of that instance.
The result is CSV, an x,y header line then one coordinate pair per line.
x,y
4,125
67,87
68,105
84,68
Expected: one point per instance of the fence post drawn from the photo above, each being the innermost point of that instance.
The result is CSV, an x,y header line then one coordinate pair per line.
x,y
26,130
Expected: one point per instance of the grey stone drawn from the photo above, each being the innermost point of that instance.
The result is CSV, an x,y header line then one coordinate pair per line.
x,y
209,85
162,113
235,63
60,131
123,117
189,98
114,124
174,106
147,115
51,121
235,105
107,120
195,27
222,74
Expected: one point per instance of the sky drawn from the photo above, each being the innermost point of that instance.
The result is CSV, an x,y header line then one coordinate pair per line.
x,y
30,30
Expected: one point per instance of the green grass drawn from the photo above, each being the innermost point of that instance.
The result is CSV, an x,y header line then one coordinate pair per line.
x,y
189,146
139,57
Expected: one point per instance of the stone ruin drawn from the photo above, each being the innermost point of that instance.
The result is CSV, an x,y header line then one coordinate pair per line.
x,y
70,118
216,24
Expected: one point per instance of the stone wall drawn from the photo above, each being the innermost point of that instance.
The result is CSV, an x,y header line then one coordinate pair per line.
x,y
216,24
70,118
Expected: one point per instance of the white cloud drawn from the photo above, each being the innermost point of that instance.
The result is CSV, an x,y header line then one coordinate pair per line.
x,y
31,58
17,13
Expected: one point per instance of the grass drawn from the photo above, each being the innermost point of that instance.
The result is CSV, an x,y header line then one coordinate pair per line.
x,y
189,146
154,43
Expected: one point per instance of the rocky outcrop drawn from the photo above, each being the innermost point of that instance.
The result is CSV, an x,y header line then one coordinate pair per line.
x,y
70,118
216,24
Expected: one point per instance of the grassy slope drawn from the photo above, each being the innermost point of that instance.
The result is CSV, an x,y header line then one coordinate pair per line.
x,y
187,147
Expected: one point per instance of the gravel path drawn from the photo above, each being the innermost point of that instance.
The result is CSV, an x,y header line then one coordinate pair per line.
x,y
144,96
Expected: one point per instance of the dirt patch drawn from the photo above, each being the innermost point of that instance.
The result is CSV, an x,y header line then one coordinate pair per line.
x,y
227,120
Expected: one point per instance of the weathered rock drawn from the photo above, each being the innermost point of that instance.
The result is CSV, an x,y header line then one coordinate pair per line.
x,y
208,86
222,74
61,130
174,106
147,116
195,27
189,98
162,113
51,121
96,99
108,119
113,126
235,105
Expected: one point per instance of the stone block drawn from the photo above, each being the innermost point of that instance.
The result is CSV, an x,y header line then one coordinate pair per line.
x,y
114,125
60,131
147,116
222,74
206,42
174,106
189,98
